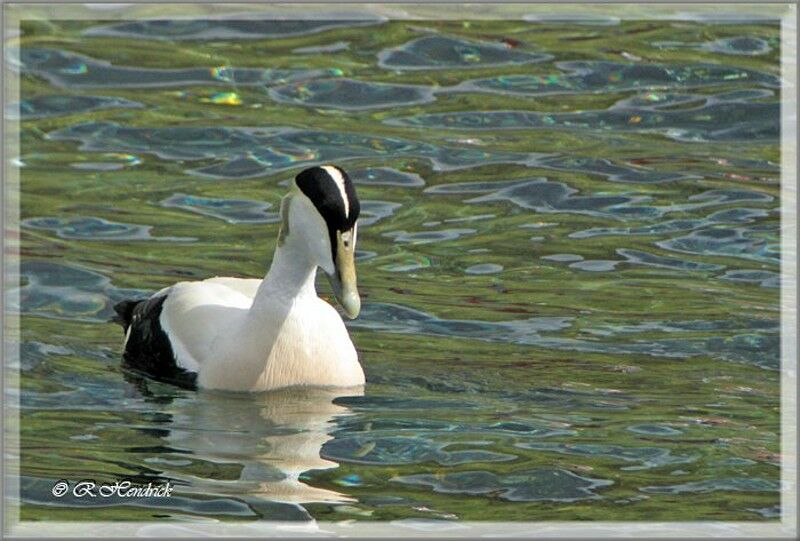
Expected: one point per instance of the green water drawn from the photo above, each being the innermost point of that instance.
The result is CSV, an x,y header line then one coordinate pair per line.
x,y
570,308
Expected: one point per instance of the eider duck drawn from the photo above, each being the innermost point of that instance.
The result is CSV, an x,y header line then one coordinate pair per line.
x,y
255,335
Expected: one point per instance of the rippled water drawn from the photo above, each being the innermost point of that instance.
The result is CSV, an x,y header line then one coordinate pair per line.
x,y
568,255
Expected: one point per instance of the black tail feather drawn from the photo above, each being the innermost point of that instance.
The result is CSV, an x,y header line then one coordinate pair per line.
x,y
124,313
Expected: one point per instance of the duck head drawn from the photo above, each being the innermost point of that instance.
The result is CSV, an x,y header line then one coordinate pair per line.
x,y
321,212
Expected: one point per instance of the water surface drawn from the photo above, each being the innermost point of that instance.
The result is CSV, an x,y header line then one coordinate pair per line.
x,y
568,257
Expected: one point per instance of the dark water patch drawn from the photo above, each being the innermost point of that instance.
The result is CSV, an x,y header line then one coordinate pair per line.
x,y
754,349
72,70
768,512
398,450
336,47
752,341
729,216
56,105
719,197
68,292
252,165
647,457
543,195
741,45
459,188
484,268
386,176
432,428
615,172
230,28
595,265
351,95
97,166
562,398
375,211
233,211
563,258
392,425
699,325
723,117
442,52
637,257
729,242
32,353
251,152
364,255
556,197
736,461
476,218
425,237
392,404
400,319
526,429
762,278
751,347
737,216
654,430
736,484
543,484
90,228
607,77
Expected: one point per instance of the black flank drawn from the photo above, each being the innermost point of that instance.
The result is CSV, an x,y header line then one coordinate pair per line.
x,y
148,349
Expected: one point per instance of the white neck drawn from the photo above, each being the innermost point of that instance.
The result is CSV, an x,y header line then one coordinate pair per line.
x,y
291,276
290,279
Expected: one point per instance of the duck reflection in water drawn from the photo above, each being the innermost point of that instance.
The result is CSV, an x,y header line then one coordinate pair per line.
x,y
273,437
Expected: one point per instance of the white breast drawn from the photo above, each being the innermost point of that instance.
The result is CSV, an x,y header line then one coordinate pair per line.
x,y
313,348
212,331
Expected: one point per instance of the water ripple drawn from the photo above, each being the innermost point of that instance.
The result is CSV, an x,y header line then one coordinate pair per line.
x,y
396,450
761,277
351,95
443,52
543,484
251,152
233,211
230,28
740,484
56,105
723,117
68,292
731,242
90,228
546,196
647,457
386,176
606,77
740,45
72,70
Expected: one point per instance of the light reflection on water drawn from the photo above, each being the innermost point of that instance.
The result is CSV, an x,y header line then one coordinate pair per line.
x,y
620,364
